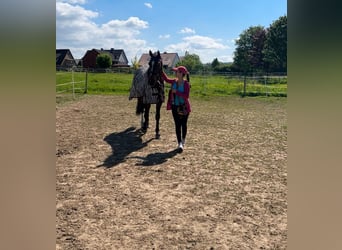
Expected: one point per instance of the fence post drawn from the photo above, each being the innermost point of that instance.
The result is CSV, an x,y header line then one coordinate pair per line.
x,y
73,83
244,86
86,83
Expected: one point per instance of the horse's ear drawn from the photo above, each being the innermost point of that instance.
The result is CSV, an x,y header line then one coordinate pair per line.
x,y
151,53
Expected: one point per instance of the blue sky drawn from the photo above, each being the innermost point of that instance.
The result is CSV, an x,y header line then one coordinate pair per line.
x,y
207,28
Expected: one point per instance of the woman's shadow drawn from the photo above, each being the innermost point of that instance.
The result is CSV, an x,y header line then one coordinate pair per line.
x,y
122,144
155,158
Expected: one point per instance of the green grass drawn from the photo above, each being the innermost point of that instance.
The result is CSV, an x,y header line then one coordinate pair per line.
x,y
202,86
221,86
98,83
109,83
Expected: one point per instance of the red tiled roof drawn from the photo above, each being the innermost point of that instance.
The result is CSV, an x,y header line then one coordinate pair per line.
x,y
169,59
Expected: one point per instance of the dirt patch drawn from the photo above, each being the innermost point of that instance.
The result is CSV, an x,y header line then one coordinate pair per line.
x,y
120,189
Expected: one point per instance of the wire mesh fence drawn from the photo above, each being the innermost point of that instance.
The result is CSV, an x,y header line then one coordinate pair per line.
x,y
71,82
78,81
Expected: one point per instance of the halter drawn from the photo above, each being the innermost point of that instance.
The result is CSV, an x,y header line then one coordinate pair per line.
x,y
155,69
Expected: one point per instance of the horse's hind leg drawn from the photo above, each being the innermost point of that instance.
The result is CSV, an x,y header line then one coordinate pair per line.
x,y
158,107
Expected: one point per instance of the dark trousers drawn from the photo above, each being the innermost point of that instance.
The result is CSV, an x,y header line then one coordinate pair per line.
x,y
180,124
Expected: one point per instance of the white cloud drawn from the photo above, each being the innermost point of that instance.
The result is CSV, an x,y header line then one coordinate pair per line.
x,y
187,30
204,42
235,40
123,28
66,11
74,22
72,1
76,30
148,5
206,48
167,36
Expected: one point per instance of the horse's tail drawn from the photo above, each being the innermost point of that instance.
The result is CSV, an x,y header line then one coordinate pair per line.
x,y
140,106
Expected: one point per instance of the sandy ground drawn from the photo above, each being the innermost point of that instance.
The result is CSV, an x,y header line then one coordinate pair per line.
x,y
120,189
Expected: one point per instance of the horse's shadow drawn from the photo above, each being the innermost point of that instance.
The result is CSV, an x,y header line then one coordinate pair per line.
x,y
123,143
128,141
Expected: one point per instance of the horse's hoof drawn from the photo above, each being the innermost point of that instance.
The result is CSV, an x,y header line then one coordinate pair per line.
x,y
157,136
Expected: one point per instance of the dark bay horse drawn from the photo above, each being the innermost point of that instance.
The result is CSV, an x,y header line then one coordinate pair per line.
x,y
148,88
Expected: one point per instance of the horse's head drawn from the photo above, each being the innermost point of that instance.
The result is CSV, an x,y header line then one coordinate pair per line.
x,y
155,68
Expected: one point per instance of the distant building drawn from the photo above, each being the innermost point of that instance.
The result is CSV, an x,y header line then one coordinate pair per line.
x,y
64,59
118,57
169,59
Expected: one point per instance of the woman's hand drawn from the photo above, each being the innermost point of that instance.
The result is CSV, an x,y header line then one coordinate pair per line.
x,y
174,91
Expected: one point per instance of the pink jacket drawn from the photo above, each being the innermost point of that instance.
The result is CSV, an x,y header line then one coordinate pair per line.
x,y
184,94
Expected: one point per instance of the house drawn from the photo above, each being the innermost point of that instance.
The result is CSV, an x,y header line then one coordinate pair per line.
x,y
64,59
169,59
78,62
118,57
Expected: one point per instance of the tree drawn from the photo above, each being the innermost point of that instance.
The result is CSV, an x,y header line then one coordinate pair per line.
x,y
192,62
275,49
248,55
103,61
224,68
135,63
215,64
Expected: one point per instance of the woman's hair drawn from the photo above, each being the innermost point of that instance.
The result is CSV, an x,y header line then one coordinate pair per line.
x,y
187,77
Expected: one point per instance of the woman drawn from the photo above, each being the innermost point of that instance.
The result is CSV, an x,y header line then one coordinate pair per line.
x,y
179,103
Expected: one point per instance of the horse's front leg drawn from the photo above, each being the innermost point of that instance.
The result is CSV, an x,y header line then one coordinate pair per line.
x,y
146,117
158,107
